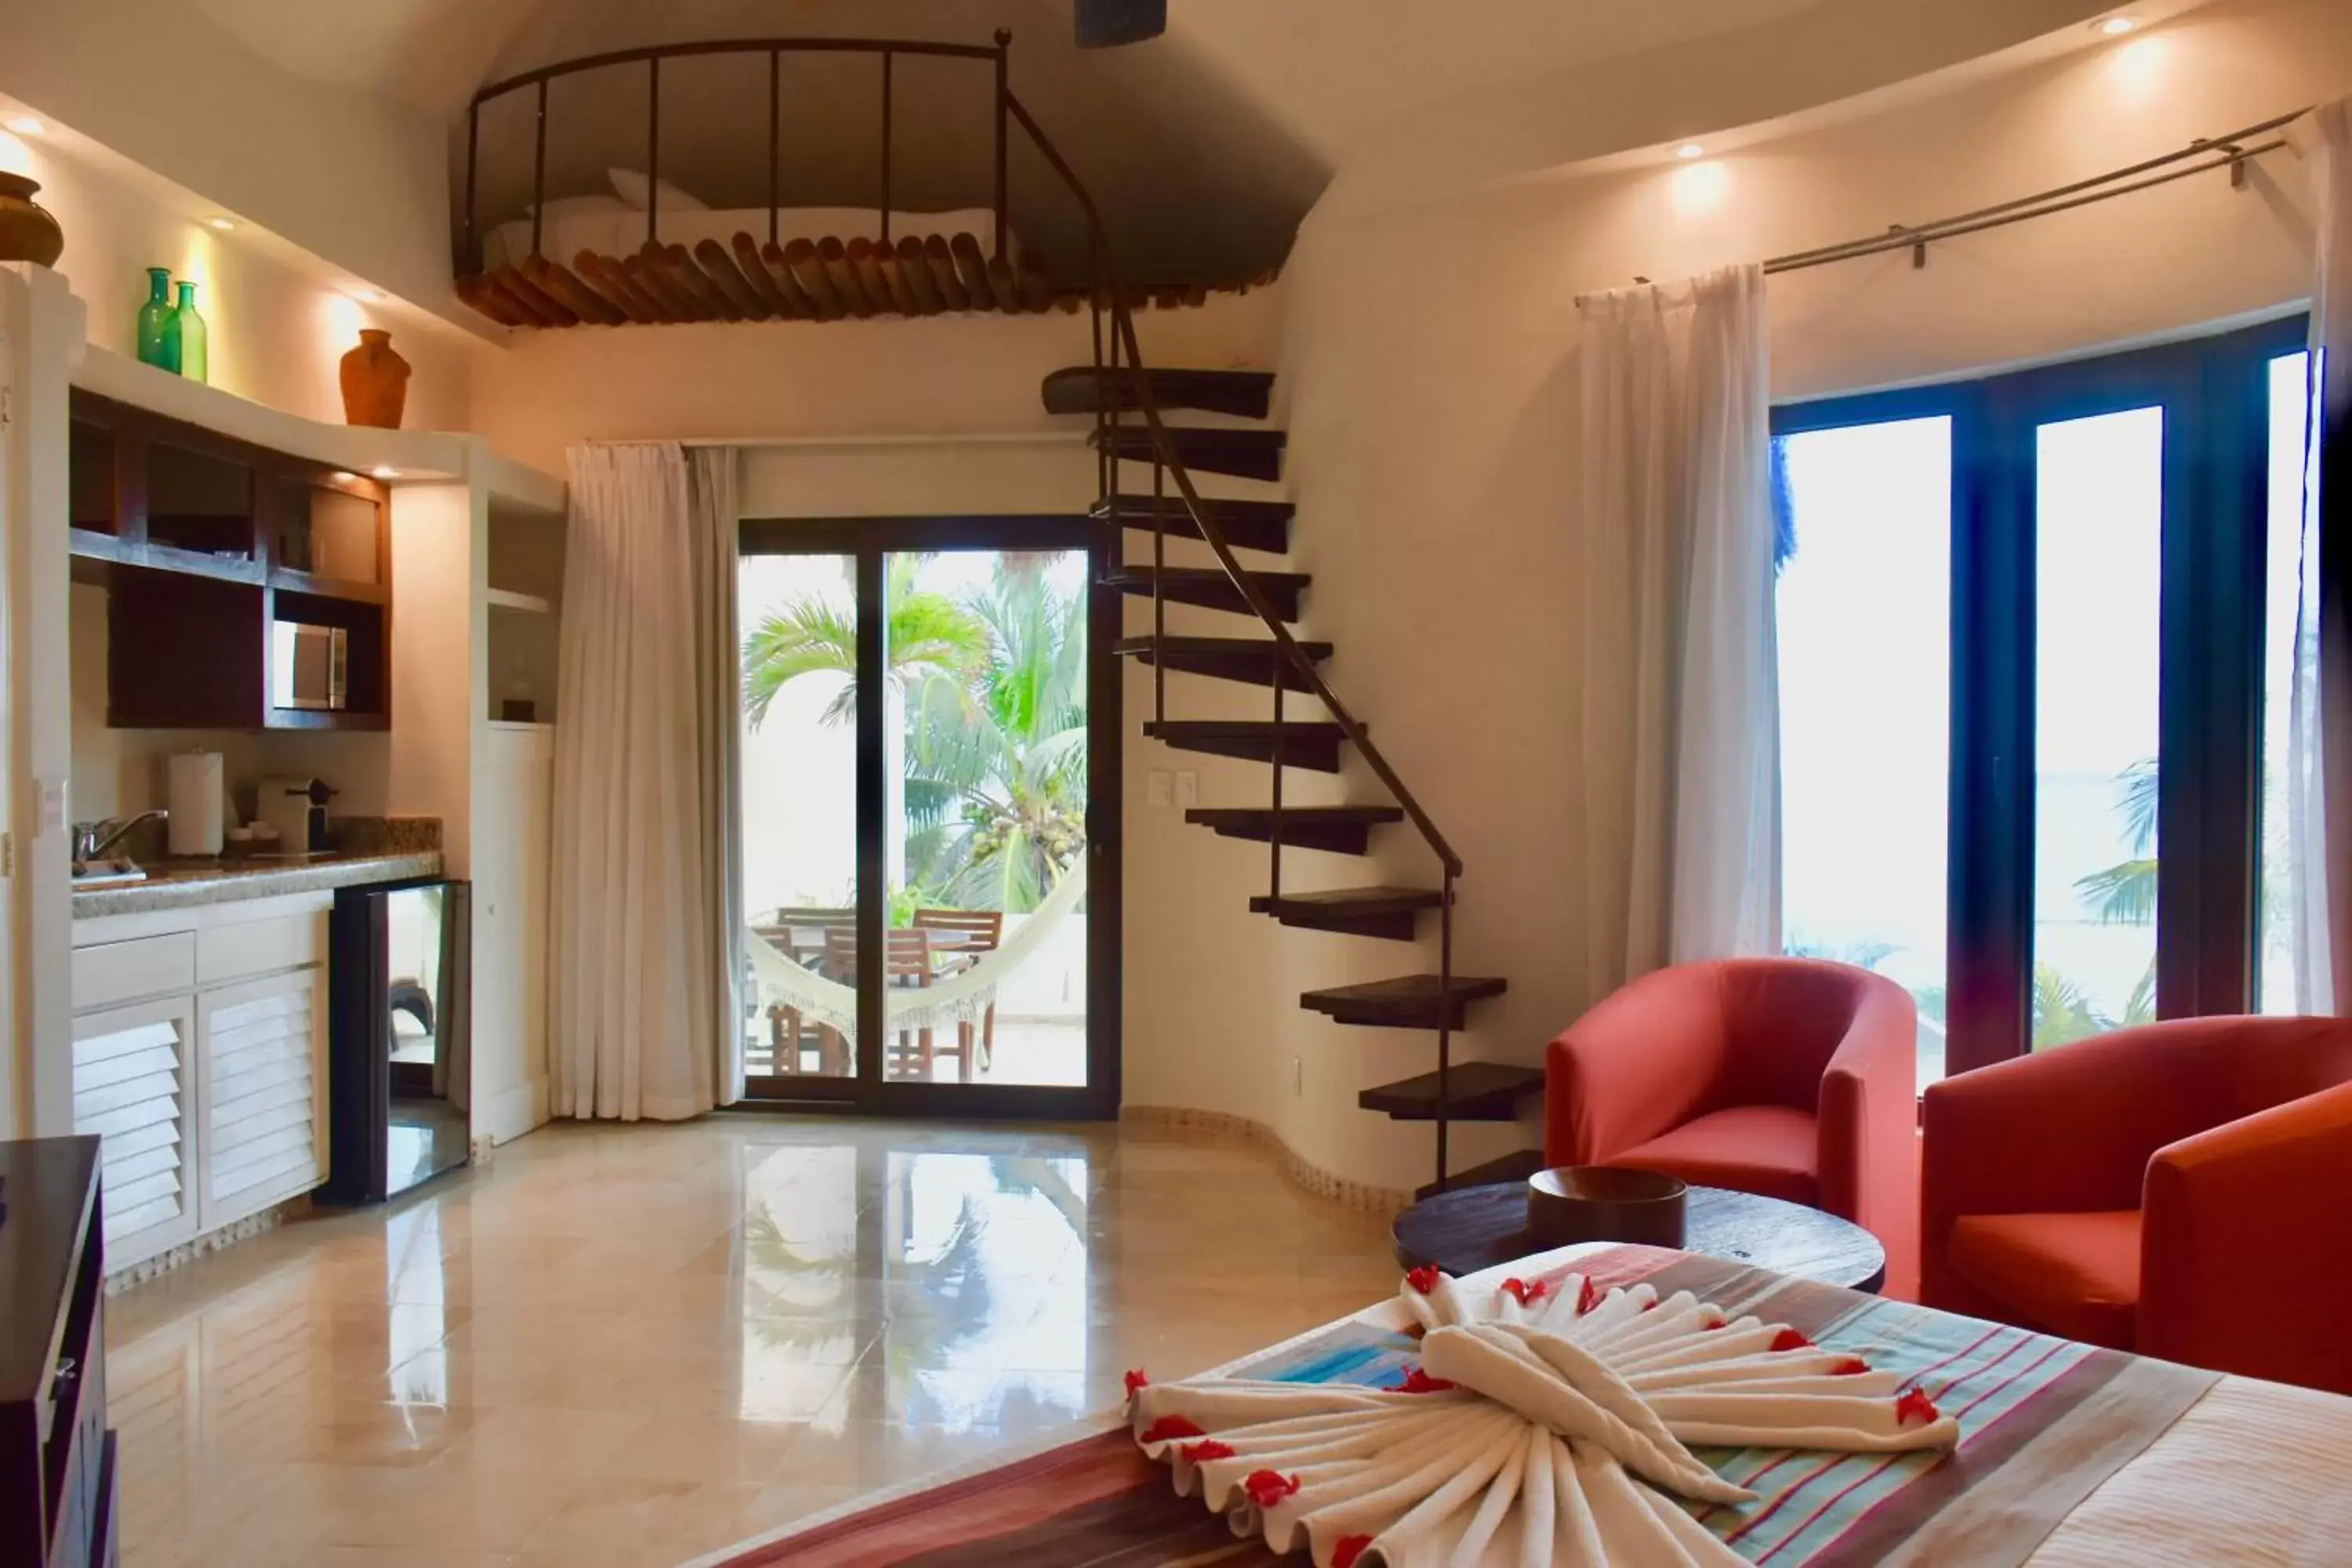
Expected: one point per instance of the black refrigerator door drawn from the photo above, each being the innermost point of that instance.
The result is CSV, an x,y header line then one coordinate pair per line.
x,y
399,1060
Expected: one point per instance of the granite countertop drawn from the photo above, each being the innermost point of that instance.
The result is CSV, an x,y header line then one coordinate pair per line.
x,y
171,887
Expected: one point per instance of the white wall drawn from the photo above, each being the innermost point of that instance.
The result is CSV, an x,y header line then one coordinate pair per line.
x,y
344,174
940,376
1431,455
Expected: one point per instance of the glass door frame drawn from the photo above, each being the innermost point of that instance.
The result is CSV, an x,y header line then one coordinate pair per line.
x,y
2214,394
869,541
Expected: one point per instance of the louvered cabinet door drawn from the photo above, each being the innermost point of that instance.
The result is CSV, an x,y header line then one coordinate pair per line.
x,y
135,1088
264,1046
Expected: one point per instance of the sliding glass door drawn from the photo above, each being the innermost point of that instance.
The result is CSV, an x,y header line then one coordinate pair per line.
x,y
928,767
2030,656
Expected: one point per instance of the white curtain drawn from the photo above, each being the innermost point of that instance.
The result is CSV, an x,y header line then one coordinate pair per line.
x,y
2319,760
646,927
1682,733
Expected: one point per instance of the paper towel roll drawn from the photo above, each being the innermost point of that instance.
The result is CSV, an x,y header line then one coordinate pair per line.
x,y
198,803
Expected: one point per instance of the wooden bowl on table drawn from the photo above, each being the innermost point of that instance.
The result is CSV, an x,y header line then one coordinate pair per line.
x,y
1604,1202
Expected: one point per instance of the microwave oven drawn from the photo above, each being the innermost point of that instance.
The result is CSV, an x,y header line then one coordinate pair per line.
x,y
308,665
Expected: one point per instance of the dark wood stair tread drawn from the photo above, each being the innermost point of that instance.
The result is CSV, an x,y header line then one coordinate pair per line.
x,y
1475,1091
1208,449
1208,587
1339,829
1356,911
1313,745
1515,1166
1257,660
1262,525
1409,1002
1080,390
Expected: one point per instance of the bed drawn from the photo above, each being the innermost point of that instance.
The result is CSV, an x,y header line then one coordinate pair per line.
x,y
2068,1454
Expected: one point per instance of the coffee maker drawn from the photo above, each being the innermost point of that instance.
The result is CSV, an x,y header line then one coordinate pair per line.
x,y
296,807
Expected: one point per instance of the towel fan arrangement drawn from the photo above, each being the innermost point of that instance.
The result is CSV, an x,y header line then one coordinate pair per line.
x,y
1547,1425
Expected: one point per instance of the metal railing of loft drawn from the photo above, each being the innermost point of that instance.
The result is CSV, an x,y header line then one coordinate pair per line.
x,y
887,50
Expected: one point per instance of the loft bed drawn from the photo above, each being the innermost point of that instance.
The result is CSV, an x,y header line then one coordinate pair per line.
x,y
651,255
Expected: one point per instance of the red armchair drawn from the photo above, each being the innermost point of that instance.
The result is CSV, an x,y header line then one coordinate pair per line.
x,y
1789,1077
2183,1190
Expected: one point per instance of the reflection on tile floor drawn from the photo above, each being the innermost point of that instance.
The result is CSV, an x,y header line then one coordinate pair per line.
x,y
624,1346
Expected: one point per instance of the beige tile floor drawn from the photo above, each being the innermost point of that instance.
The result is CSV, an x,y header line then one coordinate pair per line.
x,y
623,1346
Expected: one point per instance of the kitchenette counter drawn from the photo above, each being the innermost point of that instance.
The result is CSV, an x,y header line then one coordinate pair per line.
x,y
170,887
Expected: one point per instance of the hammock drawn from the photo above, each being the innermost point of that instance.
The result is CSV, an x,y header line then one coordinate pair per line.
x,y
955,999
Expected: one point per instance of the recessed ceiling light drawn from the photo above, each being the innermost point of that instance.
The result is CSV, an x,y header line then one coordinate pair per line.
x,y
386,472
2115,26
368,296
1689,149
26,125
222,224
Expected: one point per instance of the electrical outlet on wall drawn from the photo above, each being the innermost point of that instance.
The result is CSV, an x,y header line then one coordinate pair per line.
x,y
1155,787
1187,788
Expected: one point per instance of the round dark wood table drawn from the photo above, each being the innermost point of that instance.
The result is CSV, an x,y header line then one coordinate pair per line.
x,y
1472,1228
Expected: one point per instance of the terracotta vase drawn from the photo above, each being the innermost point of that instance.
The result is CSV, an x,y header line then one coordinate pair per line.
x,y
375,382
27,233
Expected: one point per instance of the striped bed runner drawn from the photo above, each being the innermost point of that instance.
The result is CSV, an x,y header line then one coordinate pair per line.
x,y
2043,1421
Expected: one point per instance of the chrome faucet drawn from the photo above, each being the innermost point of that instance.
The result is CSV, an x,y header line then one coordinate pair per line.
x,y
92,839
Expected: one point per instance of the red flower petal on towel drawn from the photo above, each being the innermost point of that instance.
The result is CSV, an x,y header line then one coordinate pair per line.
x,y
1416,1381
1267,1488
1588,1297
1651,1305
1208,1448
1526,1292
1168,1428
1849,1366
1915,1405
1791,1340
1351,1547
1424,1278
1136,1381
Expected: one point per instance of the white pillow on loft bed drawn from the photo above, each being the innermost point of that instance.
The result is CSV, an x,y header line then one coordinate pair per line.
x,y
631,186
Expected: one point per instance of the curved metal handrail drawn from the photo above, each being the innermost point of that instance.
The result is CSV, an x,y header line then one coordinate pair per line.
x,y
1203,518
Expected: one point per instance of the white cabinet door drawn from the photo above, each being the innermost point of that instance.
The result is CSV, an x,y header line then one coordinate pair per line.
x,y
510,921
135,1087
265,1054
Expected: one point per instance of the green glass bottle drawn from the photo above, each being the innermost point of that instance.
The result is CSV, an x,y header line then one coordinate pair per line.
x,y
155,343
188,330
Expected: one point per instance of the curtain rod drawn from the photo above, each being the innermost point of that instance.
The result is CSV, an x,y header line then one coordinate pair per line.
x,y
2228,151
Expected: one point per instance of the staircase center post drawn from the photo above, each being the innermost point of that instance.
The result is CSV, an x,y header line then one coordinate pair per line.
x,y
1274,836
1444,1018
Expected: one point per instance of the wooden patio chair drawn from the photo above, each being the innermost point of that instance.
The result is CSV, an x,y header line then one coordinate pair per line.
x,y
984,932
779,929
906,960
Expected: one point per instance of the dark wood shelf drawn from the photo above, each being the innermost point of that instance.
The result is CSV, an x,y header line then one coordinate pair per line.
x,y
357,592
90,544
190,631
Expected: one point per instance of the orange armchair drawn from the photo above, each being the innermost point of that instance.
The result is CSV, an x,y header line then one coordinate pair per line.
x,y
2183,1190
1787,1077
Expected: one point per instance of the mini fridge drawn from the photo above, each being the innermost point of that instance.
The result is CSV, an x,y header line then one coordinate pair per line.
x,y
398,1058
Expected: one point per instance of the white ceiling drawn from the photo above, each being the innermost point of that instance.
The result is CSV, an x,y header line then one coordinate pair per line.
x,y
1322,70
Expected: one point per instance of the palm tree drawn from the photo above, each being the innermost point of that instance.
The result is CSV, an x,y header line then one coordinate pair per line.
x,y
2062,1010
996,769
929,637
2124,894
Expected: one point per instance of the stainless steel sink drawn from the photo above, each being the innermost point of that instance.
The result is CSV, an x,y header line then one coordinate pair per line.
x,y
113,873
